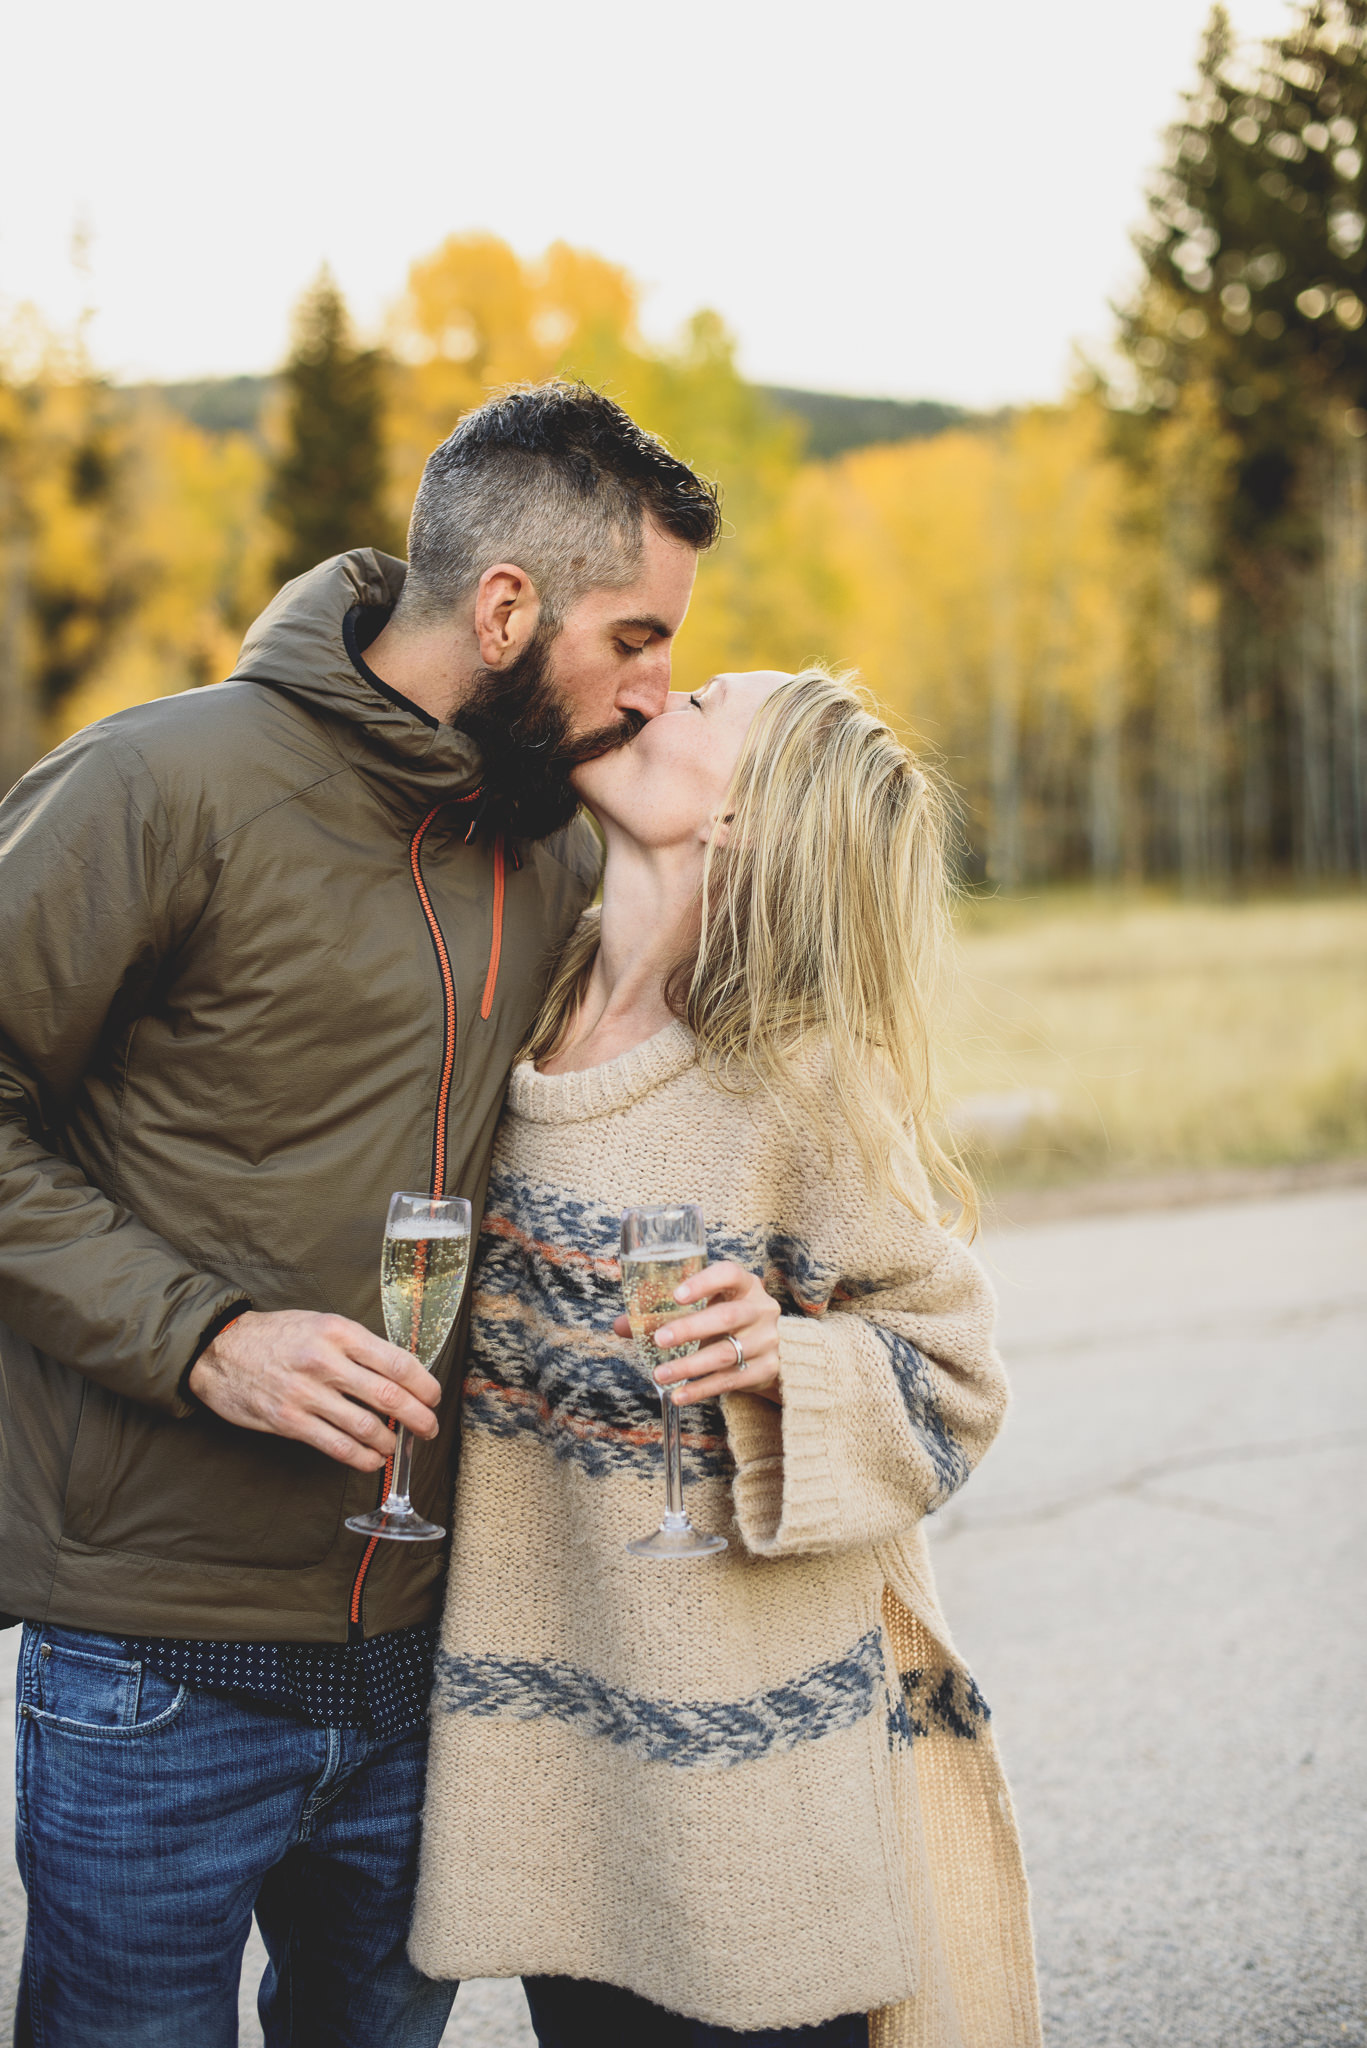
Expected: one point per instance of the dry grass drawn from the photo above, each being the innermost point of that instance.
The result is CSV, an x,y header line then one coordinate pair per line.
x,y
1171,1034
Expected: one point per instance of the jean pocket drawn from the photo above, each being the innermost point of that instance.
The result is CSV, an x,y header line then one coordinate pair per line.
x,y
88,1685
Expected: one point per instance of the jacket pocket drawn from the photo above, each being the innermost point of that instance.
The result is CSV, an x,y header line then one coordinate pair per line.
x,y
198,1490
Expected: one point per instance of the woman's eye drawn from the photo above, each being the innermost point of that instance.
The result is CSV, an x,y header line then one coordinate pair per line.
x,y
693,700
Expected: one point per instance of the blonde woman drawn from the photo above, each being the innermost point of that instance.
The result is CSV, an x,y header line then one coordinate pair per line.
x,y
753,1797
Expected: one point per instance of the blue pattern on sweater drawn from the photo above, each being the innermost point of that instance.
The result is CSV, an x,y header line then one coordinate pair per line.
x,y
547,1217
690,1734
945,1699
917,1389
547,1287
543,1361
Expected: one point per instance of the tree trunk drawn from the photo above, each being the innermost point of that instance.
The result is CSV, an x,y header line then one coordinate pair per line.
x,y
1348,554
1249,654
1004,705
1189,724
1104,790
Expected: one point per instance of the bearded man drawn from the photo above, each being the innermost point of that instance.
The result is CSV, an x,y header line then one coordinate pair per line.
x,y
270,949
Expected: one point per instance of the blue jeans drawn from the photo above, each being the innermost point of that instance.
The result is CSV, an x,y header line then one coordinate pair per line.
x,y
153,1819
570,2012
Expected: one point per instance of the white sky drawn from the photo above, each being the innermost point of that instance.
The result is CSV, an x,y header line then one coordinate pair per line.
x,y
928,198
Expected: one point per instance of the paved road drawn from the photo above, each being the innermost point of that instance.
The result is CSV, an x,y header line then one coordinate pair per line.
x,y
1158,1577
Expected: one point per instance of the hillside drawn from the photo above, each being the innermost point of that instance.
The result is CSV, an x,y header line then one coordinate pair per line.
x,y
834,422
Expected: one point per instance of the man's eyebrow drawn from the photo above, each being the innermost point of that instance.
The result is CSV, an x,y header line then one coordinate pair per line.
x,y
647,623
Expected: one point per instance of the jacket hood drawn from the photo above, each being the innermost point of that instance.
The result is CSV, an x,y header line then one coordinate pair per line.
x,y
297,647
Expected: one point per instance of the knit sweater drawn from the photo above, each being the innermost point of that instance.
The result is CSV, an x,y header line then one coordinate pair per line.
x,y
759,1789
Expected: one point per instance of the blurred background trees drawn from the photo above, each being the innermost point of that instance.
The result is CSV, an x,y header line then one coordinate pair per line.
x,y
1133,626
63,466
327,488
1246,447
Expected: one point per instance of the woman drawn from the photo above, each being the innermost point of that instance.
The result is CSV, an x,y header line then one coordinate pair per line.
x,y
753,1796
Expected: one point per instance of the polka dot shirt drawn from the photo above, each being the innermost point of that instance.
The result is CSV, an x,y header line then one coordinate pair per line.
x,y
381,1684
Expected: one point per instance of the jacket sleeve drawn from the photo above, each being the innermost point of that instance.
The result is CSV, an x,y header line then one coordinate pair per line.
x,y
892,1389
89,906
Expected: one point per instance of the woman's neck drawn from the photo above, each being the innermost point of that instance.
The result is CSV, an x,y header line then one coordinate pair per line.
x,y
650,913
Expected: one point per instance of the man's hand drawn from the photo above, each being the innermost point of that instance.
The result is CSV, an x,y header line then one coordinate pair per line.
x,y
321,1379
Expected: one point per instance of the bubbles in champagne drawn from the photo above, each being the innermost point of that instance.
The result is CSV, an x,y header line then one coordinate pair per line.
x,y
649,1277
422,1278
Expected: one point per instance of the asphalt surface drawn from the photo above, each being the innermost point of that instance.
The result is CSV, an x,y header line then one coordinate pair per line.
x,y
1158,1578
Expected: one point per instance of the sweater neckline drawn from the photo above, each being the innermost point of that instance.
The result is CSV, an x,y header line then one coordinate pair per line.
x,y
598,1091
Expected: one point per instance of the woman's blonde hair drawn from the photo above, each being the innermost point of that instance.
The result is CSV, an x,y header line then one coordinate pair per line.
x,y
823,915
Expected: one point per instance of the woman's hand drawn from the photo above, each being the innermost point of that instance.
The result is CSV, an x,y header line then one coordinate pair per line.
x,y
737,1306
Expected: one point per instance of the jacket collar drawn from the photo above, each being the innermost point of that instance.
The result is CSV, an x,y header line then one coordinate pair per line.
x,y
298,647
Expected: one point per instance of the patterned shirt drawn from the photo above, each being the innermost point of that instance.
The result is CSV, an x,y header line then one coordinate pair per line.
x,y
381,1684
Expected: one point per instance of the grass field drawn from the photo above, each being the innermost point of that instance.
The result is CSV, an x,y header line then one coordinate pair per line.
x,y
1094,1035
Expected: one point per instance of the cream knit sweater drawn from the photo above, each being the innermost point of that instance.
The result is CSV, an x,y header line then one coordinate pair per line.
x,y
759,1789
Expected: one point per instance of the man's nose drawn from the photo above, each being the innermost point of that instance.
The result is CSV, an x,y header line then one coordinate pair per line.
x,y
648,689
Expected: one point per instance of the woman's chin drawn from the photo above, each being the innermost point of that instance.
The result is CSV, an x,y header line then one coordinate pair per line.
x,y
587,787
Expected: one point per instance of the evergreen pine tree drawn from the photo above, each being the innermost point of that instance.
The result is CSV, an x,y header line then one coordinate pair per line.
x,y
1255,255
1250,332
327,487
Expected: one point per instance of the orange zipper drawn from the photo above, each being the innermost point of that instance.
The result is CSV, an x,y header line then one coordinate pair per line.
x,y
443,1100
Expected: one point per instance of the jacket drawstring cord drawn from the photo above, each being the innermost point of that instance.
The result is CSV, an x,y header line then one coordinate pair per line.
x,y
500,875
496,942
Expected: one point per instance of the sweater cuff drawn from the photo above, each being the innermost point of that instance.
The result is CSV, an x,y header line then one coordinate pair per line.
x,y
785,1491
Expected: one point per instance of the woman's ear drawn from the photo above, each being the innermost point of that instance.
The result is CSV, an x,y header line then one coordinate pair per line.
x,y
717,831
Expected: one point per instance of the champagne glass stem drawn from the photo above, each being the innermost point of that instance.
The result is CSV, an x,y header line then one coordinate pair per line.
x,y
396,1500
673,1447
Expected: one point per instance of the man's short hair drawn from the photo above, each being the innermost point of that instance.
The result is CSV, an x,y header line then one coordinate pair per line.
x,y
557,479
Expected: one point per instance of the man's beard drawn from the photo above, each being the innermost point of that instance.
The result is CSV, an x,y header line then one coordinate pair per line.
x,y
519,721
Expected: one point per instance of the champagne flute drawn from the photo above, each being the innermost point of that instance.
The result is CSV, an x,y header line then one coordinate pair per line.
x,y
662,1245
423,1264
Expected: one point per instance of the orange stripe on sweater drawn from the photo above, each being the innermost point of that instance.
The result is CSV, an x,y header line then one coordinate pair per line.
x,y
554,1254
610,1268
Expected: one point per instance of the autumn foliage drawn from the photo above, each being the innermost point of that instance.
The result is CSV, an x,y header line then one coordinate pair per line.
x,y
1132,626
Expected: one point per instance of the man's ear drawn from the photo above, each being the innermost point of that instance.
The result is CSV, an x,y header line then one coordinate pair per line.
x,y
507,613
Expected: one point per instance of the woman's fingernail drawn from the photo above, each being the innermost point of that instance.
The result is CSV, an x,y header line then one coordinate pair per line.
x,y
681,1292
663,1339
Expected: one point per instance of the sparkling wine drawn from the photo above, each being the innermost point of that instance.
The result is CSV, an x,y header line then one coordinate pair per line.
x,y
649,1277
422,1277
663,1244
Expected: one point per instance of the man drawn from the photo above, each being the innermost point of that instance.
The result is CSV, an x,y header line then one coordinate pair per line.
x,y
269,950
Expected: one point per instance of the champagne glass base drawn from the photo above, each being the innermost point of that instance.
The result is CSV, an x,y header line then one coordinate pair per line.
x,y
400,1525
677,1543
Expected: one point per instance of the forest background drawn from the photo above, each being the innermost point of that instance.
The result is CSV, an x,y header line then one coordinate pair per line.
x,y
1131,628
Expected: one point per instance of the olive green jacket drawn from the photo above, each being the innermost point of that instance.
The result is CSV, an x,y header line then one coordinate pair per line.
x,y
255,974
